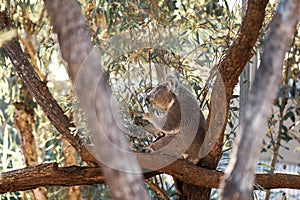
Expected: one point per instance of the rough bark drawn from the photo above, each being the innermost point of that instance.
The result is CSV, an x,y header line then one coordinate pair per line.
x,y
229,70
239,181
52,175
110,144
47,175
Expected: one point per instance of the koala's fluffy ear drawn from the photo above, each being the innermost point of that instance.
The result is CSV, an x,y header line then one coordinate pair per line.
x,y
172,83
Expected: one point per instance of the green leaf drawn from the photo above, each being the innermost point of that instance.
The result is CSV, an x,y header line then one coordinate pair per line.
x,y
284,129
172,18
234,109
235,96
144,5
291,115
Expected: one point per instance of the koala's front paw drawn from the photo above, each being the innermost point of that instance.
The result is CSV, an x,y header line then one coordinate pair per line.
x,y
138,120
194,161
184,156
146,116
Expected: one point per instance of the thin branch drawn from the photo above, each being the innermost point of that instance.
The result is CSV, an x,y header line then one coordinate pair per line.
x,y
157,190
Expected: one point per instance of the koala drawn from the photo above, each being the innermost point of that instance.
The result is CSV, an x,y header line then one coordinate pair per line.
x,y
183,122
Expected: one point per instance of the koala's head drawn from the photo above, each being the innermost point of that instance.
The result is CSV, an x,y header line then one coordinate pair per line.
x,y
162,96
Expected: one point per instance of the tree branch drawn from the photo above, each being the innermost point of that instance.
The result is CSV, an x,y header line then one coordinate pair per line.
x,y
227,76
49,175
229,70
41,92
52,175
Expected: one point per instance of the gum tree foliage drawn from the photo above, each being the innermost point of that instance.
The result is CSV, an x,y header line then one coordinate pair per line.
x,y
206,29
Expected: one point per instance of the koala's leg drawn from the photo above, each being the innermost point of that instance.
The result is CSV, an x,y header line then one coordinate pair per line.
x,y
162,124
193,151
170,145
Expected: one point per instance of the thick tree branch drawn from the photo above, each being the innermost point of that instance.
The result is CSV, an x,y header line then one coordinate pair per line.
x,y
238,184
52,175
227,76
49,175
41,92
229,70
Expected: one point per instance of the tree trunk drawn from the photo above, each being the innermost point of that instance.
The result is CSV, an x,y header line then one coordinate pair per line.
x,y
229,70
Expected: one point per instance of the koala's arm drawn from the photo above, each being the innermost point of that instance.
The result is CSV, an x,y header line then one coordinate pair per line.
x,y
156,121
159,122
160,143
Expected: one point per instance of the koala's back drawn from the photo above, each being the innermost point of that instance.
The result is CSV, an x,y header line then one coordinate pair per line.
x,y
189,107
192,126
